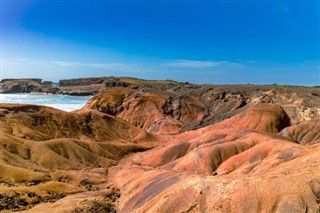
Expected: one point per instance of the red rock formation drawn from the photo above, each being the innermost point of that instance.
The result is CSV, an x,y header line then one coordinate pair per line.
x,y
154,112
307,132
232,166
263,118
235,159
52,153
171,108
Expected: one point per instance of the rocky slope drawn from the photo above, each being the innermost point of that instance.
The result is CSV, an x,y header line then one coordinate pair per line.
x,y
50,153
78,87
232,166
163,146
22,85
169,107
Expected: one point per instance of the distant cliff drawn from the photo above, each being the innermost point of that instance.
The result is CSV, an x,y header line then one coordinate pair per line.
x,y
23,85
106,81
37,80
77,87
80,81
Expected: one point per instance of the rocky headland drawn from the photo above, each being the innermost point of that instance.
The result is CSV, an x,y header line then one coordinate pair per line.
x,y
76,87
162,146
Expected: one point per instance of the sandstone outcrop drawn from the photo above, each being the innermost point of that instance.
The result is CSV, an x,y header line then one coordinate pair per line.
x,y
53,153
170,108
21,85
304,133
231,166
163,146
76,87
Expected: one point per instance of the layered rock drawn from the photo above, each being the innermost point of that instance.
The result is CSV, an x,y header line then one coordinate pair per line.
x,y
304,133
21,85
168,108
52,153
232,166
202,148
156,112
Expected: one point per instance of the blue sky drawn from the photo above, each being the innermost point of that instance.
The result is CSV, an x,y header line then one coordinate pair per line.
x,y
258,42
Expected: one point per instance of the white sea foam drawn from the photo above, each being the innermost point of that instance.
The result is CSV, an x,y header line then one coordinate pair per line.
x,y
63,102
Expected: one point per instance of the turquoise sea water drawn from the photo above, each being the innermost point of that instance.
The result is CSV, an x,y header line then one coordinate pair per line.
x,y
63,102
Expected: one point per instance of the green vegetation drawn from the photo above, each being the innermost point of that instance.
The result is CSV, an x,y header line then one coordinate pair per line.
x,y
95,206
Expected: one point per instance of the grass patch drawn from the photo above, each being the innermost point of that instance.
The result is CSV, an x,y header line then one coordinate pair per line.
x,y
95,206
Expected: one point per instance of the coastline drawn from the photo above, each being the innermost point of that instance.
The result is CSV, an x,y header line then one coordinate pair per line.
x,y
57,156
91,86
59,101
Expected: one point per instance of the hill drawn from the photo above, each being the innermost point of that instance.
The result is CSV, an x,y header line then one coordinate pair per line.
x,y
164,146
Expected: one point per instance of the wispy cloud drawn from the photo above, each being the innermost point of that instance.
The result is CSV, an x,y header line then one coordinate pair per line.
x,y
107,66
196,64
180,64
21,59
282,8
144,66
104,65
66,63
116,66
15,61
181,70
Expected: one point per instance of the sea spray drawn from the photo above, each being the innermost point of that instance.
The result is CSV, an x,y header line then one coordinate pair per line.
x,y
63,102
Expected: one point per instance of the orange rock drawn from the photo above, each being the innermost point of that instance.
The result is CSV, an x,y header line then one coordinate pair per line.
x,y
304,133
238,165
241,164
152,111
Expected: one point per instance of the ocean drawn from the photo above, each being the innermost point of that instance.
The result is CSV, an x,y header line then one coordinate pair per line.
x,y
63,102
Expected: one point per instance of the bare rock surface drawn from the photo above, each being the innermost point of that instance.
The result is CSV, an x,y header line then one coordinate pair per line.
x,y
51,153
21,85
226,167
171,108
163,146
304,133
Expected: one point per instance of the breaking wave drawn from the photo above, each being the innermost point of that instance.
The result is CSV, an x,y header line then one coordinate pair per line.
x,y
62,102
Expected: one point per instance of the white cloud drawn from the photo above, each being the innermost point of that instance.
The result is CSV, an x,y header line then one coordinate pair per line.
x,y
66,63
107,66
282,8
21,59
115,66
15,61
196,64
147,66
